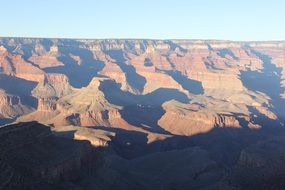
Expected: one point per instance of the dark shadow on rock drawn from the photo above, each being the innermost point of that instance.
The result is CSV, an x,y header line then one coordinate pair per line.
x,y
131,144
33,158
19,87
223,143
141,110
133,78
226,51
210,48
148,62
146,117
266,81
4,121
240,118
115,95
65,134
210,64
174,46
271,125
79,74
46,43
27,51
192,86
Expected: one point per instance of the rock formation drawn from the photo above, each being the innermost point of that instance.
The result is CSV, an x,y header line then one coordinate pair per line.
x,y
140,97
11,107
260,166
196,85
31,156
96,137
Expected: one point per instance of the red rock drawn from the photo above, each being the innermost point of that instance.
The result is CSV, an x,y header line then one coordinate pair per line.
x,y
214,65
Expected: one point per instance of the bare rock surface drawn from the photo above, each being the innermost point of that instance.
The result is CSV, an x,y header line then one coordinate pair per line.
x,y
203,111
96,137
108,82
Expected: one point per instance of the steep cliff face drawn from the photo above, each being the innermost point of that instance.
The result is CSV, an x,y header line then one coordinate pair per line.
x,y
196,85
53,85
11,106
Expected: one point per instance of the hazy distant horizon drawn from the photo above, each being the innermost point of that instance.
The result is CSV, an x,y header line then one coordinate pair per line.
x,y
154,39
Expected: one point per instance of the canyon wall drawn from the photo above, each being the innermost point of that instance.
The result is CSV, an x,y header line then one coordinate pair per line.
x,y
143,85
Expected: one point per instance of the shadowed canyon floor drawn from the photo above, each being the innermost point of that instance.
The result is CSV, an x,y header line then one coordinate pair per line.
x,y
179,114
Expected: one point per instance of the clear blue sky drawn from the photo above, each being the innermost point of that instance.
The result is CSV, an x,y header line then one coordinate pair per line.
x,y
157,19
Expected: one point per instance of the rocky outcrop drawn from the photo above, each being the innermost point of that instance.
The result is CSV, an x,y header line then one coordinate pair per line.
x,y
260,166
47,104
218,81
193,123
30,154
176,114
177,169
16,65
75,82
11,106
96,137
53,85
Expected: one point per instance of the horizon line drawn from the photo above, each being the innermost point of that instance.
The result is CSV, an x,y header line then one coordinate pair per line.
x,y
154,39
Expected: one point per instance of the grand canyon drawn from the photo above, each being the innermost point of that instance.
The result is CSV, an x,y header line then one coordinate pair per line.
x,y
117,113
